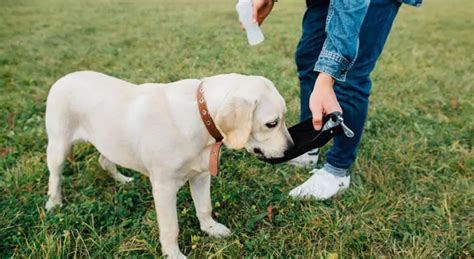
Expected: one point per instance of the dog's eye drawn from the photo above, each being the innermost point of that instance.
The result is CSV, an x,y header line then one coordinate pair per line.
x,y
272,124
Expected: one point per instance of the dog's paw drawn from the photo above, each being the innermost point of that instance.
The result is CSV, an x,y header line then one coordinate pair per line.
x,y
124,179
216,229
175,255
51,204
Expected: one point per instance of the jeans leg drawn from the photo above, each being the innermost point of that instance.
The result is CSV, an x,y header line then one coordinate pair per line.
x,y
309,47
353,95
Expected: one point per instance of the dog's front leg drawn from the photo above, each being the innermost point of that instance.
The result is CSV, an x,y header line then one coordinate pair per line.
x,y
201,193
164,195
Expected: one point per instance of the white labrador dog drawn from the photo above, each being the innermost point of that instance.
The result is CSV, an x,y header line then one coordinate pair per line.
x,y
156,129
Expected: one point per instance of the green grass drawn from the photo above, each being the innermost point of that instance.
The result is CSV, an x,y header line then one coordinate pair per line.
x,y
412,189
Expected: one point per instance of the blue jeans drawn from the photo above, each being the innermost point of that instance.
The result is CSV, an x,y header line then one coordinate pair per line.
x,y
353,94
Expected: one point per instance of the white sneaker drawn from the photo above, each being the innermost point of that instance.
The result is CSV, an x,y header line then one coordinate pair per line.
x,y
321,185
308,159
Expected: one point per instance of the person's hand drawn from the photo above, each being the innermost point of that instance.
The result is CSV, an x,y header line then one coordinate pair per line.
x,y
261,9
323,100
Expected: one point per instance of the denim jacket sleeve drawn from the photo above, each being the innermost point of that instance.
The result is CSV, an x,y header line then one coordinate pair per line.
x,y
343,24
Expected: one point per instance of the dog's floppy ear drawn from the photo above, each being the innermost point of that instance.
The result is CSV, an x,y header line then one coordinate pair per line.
x,y
234,121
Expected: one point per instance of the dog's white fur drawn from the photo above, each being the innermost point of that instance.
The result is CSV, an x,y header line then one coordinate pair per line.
x,y
156,129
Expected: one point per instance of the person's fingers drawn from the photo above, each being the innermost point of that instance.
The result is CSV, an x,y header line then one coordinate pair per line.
x,y
255,8
260,20
335,107
242,28
317,117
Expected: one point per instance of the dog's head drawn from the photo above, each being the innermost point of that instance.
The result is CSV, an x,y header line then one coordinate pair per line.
x,y
252,116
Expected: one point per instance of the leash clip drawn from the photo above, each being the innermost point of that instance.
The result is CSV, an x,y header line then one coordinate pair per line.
x,y
335,120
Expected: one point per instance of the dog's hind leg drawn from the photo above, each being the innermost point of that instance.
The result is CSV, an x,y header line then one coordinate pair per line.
x,y
110,167
57,152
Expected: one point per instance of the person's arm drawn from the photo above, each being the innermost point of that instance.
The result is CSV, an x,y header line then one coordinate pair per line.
x,y
339,52
343,24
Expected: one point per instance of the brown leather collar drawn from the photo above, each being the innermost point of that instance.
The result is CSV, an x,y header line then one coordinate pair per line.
x,y
212,129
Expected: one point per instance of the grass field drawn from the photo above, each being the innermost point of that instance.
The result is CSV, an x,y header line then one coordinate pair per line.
x,y
412,191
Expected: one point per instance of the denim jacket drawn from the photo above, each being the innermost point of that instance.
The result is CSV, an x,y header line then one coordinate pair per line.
x,y
343,24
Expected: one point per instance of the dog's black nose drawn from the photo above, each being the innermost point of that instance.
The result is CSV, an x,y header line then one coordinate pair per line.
x,y
258,151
